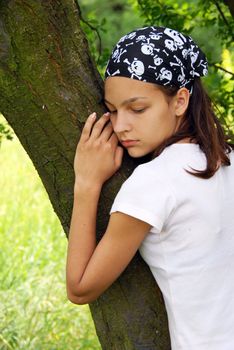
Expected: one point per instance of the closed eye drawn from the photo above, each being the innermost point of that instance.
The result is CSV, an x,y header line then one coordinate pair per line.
x,y
139,110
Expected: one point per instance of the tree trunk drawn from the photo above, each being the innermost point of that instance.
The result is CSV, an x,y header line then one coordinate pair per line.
x,y
48,86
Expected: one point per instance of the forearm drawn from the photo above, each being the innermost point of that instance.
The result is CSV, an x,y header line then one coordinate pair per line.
x,y
97,158
82,235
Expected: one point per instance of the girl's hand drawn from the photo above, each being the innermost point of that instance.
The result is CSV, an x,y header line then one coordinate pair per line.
x,y
98,155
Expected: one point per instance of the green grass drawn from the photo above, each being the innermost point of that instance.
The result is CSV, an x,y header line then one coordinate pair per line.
x,y
34,311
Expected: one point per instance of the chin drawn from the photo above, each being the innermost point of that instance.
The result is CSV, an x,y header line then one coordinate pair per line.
x,y
136,153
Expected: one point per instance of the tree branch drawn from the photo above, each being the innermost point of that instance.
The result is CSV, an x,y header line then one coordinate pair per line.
x,y
91,27
221,12
221,68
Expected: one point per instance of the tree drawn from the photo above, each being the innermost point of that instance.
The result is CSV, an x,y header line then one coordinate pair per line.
x,y
48,86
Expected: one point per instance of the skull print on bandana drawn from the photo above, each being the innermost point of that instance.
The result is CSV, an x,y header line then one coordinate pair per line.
x,y
158,55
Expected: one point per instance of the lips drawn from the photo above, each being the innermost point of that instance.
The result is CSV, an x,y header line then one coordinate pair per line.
x,y
129,143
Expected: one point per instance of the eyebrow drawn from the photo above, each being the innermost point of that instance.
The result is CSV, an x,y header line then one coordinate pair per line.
x,y
132,99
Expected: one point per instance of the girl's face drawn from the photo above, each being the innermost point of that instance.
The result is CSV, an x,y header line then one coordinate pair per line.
x,y
142,116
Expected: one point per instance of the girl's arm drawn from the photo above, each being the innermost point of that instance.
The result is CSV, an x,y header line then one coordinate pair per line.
x,y
91,269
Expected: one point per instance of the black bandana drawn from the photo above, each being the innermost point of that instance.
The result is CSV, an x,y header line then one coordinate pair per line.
x,y
158,55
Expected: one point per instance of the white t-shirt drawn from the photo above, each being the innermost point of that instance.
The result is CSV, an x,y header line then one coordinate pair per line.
x,y
190,248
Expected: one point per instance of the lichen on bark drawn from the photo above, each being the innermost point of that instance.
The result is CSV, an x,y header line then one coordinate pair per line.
x,y
48,86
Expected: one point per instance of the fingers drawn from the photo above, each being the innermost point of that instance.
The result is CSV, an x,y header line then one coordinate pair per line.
x,y
99,126
88,127
119,156
107,132
93,129
113,140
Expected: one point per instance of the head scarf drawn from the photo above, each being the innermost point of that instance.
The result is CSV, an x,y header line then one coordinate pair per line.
x,y
158,55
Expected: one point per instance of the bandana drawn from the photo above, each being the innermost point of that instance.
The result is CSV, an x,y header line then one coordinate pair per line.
x,y
158,55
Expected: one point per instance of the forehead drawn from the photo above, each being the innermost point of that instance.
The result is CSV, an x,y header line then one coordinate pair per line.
x,y
122,87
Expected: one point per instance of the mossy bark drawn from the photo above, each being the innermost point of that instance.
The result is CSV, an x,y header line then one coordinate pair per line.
x,y
48,86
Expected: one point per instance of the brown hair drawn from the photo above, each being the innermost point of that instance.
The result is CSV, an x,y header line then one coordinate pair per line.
x,y
202,126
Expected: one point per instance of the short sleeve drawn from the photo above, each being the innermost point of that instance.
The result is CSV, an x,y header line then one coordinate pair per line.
x,y
146,196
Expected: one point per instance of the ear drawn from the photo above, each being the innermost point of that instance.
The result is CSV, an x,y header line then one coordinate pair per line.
x,y
181,101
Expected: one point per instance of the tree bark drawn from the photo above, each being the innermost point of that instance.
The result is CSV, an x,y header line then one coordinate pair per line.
x,y
48,86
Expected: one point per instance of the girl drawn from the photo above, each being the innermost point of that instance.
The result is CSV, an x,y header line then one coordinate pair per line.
x,y
176,208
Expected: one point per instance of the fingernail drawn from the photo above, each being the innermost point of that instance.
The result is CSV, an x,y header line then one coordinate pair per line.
x,y
93,115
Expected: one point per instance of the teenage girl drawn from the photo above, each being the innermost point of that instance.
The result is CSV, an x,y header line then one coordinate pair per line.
x,y
177,208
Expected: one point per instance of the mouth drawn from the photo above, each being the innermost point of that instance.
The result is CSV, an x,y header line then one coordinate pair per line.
x,y
129,143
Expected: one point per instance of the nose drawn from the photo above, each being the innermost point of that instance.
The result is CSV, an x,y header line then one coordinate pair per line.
x,y
120,122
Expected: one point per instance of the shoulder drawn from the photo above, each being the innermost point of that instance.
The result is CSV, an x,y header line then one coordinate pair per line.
x,y
150,180
147,173
166,171
146,195
173,158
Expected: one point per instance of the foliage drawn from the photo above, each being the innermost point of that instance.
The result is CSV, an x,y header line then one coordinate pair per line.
x,y
104,22
209,23
5,131
34,311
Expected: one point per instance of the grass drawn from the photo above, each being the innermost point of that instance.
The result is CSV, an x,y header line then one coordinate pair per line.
x,y
34,311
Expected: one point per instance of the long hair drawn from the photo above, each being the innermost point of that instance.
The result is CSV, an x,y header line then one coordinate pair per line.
x,y
202,126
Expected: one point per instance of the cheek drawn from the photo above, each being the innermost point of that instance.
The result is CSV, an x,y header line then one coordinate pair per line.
x,y
113,121
160,122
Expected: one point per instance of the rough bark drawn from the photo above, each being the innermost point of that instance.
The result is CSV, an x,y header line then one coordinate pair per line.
x,y
48,86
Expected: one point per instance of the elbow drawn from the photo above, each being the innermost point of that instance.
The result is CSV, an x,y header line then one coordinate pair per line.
x,y
74,299
79,299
